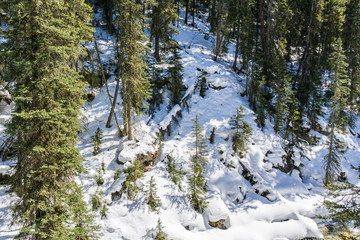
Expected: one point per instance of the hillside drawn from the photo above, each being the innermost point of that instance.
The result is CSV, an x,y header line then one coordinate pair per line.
x,y
251,195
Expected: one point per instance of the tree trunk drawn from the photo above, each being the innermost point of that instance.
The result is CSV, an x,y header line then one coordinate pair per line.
x,y
193,11
186,11
157,48
237,46
261,15
218,30
129,114
107,90
212,15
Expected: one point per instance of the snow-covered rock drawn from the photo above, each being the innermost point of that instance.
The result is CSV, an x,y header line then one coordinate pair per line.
x,y
217,213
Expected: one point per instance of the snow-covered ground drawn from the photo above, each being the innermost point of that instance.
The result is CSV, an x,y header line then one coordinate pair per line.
x,y
277,206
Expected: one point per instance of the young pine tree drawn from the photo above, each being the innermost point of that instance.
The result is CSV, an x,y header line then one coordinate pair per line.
x,y
175,174
97,141
129,186
196,179
46,39
201,83
152,199
160,234
242,132
338,116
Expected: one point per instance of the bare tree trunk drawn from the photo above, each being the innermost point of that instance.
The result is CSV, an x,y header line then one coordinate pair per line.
x,y
107,89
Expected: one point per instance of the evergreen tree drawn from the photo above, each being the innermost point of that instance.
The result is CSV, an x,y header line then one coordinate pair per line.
x,y
307,80
96,201
152,199
133,173
351,36
233,18
43,47
247,37
108,8
175,174
341,201
175,77
283,98
257,90
196,179
163,15
99,177
160,234
201,83
104,210
212,135
97,141
338,117
158,82
135,83
242,132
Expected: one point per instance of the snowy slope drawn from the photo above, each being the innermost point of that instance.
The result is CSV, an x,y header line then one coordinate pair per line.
x,y
277,206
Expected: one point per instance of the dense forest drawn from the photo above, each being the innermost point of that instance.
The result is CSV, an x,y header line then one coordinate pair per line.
x,y
300,62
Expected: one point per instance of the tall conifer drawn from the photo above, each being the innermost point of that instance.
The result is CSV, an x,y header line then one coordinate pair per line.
x,y
196,179
338,116
43,47
135,83
163,15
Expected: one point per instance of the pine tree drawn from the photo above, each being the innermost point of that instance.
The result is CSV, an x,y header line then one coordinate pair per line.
x,y
175,174
96,201
99,177
341,202
201,83
247,37
196,179
163,15
308,76
158,82
160,234
97,141
135,83
212,135
338,117
257,90
44,46
351,36
242,132
152,199
175,77
133,173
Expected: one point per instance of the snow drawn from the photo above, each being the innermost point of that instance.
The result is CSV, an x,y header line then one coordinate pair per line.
x,y
290,207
